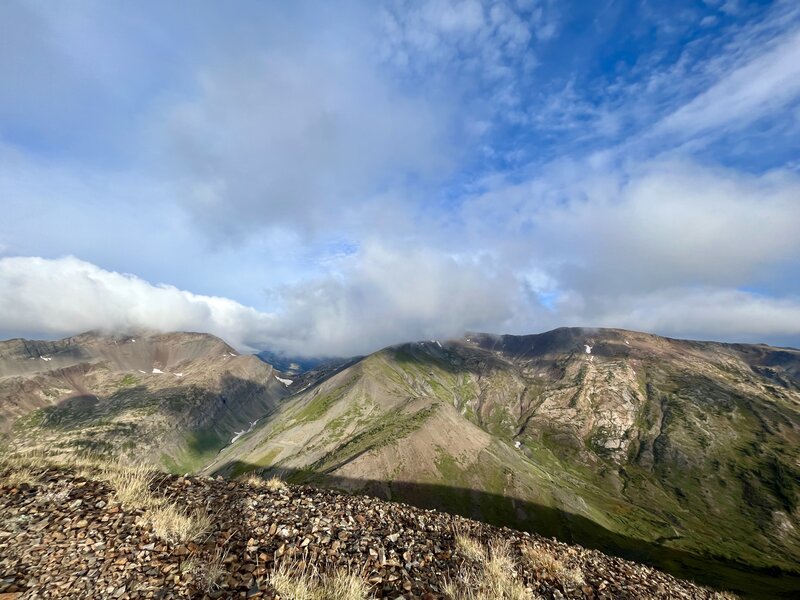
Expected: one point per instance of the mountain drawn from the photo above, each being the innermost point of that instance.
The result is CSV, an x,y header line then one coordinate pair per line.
x,y
683,454
680,454
171,399
297,365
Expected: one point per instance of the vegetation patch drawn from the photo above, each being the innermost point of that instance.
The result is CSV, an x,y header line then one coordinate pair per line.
x,y
320,404
385,430
486,574
129,381
301,582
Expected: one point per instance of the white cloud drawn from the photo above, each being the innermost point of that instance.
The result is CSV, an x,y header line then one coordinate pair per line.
x,y
302,140
376,298
67,296
767,82
384,295
606,229
707,312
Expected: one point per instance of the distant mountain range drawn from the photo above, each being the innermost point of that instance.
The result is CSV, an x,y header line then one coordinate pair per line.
x,y
679,453
297,365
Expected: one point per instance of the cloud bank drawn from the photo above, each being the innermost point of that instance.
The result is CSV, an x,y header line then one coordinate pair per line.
x,y
329,180
378,298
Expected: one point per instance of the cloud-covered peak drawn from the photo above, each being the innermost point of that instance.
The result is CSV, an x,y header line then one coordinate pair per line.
x,y
329,179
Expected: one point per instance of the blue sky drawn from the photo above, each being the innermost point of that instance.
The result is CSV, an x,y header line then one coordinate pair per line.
x,y
323,178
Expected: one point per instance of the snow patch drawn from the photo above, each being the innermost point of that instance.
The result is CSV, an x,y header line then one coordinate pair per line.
x,y
627,343
178,374
517,445
158,371
231,354
46,358
239,434
140,371
286,382
133,341
588,348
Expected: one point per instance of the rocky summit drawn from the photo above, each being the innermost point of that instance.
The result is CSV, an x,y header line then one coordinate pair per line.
x,y
66,534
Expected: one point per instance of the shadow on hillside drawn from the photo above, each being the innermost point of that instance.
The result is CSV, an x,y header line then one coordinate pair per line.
x,y
204,418
716,572
197,404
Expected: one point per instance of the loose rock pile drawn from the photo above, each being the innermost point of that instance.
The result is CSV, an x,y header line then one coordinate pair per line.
x,y
65,536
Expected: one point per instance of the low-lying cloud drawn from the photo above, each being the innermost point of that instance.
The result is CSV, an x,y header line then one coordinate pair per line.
x,y
66,296
375,298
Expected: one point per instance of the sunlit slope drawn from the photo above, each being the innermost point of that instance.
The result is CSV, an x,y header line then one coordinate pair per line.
x,y
685,445
169,399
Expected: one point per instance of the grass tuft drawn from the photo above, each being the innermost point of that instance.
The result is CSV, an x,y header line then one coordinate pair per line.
x,y
302,583
253,480
547,566
206,573
131,485
174,525
17,476
490,575
275,484
471,548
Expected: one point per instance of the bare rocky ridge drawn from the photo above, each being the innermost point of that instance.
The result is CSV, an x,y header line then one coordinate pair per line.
x,y
65,536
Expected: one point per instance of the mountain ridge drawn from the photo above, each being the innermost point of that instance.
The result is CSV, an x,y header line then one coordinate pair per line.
x,y
667,441
680,453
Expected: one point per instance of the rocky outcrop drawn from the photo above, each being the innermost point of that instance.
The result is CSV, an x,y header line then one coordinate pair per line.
x,y
64,535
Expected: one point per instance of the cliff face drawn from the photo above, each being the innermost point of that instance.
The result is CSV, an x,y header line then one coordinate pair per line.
x,y
171,399
611,438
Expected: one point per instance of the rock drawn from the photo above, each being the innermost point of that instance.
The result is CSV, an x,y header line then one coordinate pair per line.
x,y
100,550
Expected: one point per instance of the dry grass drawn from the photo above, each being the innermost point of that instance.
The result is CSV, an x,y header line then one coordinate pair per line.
x,y
173,525
724,596
488,575
297,583
471,548
253,480
39,460
275,484
19,469
206,573
131,485
16,476
547,566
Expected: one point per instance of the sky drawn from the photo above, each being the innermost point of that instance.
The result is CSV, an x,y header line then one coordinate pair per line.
x,y
325,179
